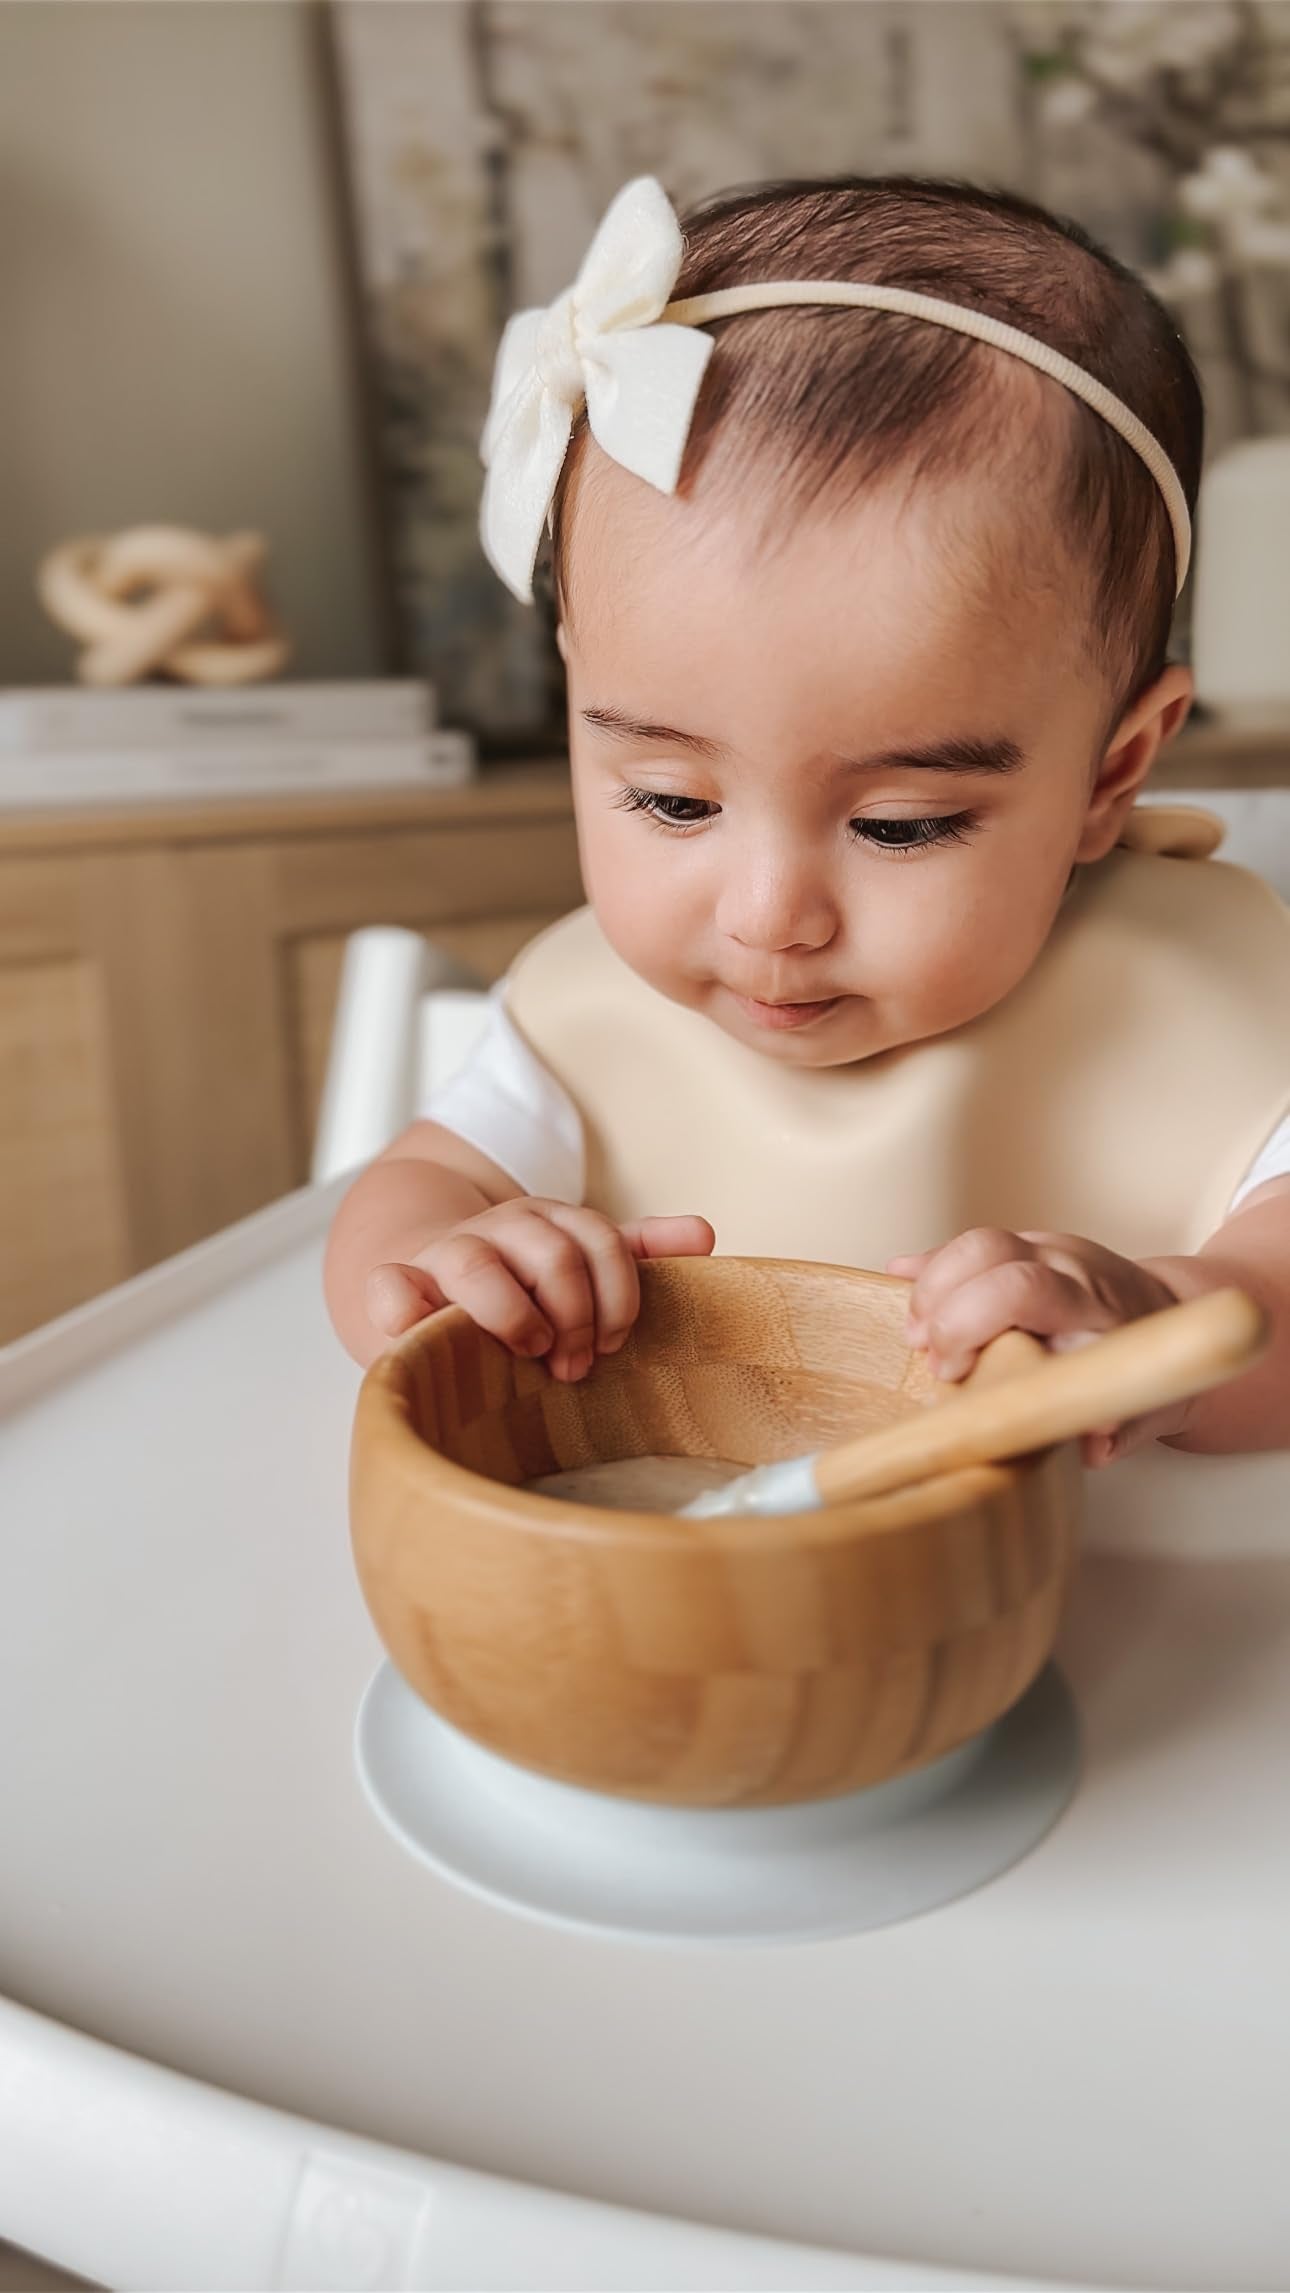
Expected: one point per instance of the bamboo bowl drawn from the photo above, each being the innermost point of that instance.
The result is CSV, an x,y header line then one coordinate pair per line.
x,y
730,1662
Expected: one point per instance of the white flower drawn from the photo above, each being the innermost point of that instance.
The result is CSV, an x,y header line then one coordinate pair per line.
x,y
1227,186
1066,101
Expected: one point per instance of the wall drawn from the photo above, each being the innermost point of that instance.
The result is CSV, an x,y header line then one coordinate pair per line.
x,y
173,334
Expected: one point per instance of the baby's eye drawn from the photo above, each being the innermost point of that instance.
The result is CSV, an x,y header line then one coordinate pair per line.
x,y
674,811
899,835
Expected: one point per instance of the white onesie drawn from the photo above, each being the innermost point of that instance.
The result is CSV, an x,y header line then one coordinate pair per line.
x,y
506,1103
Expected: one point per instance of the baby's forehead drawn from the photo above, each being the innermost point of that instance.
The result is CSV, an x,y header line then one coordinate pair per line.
x,y
969,554
887,618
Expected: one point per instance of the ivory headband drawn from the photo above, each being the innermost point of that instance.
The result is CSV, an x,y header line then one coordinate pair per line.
x,y
615,340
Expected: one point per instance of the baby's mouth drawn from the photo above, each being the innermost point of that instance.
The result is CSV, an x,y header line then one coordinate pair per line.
x,y
777,1015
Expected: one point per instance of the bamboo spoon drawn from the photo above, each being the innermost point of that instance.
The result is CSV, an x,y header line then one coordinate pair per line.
x,y
1164,1357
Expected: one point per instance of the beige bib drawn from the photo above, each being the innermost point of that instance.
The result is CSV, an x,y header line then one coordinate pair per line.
x,y
1120,1091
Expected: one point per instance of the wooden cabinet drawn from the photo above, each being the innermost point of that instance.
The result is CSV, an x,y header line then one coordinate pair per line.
x,y
167,982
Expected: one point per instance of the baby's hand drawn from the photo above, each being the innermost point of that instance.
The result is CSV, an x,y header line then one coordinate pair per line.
x,y
544,1277
1057,1286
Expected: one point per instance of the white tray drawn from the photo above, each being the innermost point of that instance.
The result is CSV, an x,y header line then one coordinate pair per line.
x,y
250,2042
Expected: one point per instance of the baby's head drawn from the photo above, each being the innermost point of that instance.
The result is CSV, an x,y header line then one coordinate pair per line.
x,y
846,708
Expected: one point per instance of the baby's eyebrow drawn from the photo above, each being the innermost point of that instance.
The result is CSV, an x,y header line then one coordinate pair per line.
x,y
960,752
622,727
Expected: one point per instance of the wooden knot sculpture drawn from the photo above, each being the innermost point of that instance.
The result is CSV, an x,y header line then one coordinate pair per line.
x,y
163,600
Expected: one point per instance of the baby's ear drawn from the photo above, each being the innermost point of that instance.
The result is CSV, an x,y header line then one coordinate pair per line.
x,y
1136,742
561,641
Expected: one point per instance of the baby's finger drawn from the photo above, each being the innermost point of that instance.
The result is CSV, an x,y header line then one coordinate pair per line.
x,y
1098,1448
679,1237
398,1296
908,1267
1022,1295
472,1273
957,1263
1109,1443
615,1284
552,1266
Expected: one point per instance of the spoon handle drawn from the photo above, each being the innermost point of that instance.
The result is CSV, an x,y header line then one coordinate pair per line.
x,y
1162,1358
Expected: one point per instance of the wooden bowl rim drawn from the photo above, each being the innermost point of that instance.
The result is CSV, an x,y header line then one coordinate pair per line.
x,y
383,1415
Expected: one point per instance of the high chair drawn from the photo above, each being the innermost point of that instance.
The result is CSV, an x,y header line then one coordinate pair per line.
x,y
407,1014
248,2040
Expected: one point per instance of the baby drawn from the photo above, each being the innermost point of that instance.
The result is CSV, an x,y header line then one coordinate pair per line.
x,y
864,576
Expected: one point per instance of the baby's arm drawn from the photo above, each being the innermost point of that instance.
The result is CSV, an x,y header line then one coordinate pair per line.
x,y
1063,1287
426,1181
434,1222
1252,1250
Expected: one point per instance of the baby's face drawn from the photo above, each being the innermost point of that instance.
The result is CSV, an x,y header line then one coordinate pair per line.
x,y
830,795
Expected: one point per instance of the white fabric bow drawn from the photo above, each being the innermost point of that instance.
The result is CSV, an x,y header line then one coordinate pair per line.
x,y
597,341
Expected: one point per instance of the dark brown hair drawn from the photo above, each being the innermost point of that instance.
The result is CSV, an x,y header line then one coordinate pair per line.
x,y
829,400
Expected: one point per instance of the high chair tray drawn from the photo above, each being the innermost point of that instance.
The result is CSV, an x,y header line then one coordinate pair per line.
x,y
248,2041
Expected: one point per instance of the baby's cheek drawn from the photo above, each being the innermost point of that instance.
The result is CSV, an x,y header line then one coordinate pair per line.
x,y
948,954
617,878
642,920
634,934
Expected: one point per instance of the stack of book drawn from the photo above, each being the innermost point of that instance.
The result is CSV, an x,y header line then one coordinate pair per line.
x,y
66,744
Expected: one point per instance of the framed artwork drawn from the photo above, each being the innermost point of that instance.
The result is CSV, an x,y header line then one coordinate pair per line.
x,y
483,140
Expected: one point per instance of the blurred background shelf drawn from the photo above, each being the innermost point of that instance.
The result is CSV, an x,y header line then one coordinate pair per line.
x,y
1210,755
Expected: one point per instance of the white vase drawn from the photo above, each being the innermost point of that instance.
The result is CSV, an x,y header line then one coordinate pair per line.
x,y
1241,608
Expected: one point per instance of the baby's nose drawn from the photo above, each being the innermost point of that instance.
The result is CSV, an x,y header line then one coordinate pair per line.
x,y
776,908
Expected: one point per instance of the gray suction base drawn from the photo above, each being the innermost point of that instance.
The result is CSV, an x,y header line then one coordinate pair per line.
x,y
780,1874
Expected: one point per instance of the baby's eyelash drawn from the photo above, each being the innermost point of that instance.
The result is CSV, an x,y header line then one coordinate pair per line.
x,y
902,836
677,812
897,836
